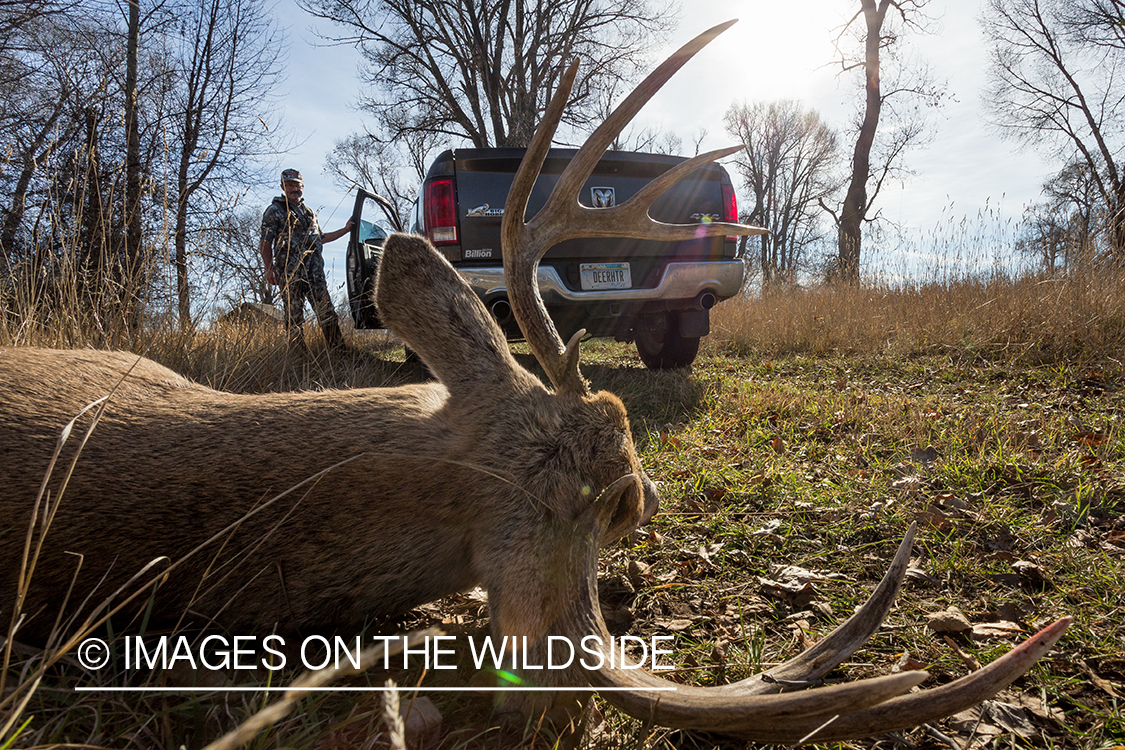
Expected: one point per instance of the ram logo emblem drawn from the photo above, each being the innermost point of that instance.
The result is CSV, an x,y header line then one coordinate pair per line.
x,y
602,197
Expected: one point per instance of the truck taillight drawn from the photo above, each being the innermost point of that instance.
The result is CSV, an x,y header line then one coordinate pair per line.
x,y
441,211
730,209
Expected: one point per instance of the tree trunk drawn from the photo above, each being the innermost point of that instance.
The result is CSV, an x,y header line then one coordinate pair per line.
x,y
854,209
15,214
183,292
94,237
1117,225
134,261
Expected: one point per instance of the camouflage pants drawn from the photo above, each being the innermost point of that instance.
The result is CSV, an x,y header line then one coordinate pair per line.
x,y
304,280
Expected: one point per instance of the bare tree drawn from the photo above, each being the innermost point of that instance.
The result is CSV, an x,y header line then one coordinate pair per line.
x,y
787,165
379,165
229,62
134,263
231,265
49,115
1097,22
1055,85
883,25
1063,232
484,71
15,17
42,108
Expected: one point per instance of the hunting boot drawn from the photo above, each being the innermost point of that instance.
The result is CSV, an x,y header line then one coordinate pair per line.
x,y
334,337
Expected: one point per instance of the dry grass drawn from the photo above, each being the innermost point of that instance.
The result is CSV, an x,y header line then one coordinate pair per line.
x,y
1028,319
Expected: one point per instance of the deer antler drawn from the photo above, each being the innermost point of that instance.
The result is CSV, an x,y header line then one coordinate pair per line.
x,y
753,709
563,217
756,708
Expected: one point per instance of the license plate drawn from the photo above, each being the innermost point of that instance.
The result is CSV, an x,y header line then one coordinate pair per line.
x,y
599,276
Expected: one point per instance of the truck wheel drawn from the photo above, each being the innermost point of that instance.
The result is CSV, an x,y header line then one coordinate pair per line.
x,y
668,350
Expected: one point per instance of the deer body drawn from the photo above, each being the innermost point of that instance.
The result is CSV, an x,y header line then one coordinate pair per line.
x,y
444,487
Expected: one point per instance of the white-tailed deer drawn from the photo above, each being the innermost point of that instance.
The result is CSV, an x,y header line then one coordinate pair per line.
x,y
486,477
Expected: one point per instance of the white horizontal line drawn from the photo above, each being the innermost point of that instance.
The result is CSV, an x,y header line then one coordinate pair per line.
x,y
397,689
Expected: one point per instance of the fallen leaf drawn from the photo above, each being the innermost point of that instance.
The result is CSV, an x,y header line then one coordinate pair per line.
x,y
908,484
800,629
1031,573
794,594
769,528
1090,438
934,518
925,456
907,663
421,722
1032,702
1010,580
999,629
1012,718
1102,684
1012,612
951,620
707,550
714,495
795,574
1002,539
917,574
824,609
638,572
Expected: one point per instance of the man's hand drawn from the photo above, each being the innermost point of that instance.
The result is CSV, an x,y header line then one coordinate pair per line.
x,y
333,236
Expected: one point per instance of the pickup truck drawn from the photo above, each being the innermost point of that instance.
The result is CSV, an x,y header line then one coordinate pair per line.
x,y
656,294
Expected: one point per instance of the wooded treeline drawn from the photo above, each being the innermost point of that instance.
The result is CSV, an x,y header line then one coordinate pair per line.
x,y
130,130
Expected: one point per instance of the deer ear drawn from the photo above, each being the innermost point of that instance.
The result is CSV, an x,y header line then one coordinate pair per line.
x,y
423,300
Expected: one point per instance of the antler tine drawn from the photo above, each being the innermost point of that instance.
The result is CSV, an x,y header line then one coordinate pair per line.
x,y
838,712
631,218
842,642
572,178
522,250
817,714
915,709
515,207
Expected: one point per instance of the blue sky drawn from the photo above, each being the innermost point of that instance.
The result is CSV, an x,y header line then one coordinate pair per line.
x,y
777,50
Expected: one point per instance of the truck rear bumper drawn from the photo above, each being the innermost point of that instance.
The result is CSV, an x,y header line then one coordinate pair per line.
x,y
679,281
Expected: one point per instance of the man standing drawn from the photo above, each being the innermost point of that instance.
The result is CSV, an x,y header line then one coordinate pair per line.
x,y
291,248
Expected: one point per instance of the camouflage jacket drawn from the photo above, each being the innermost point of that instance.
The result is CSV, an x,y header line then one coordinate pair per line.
x,y
293,231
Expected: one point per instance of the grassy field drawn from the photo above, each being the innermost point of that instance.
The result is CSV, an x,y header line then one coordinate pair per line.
x,y
813,429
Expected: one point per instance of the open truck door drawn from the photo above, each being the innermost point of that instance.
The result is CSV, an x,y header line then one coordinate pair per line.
x,y
365,249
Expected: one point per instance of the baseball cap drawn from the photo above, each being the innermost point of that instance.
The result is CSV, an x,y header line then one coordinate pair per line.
x,y
291,175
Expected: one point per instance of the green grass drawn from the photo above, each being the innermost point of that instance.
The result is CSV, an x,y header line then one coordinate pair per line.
x,y
820,460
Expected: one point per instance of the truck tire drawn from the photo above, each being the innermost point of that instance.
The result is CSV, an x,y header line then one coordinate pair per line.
x,y
669,350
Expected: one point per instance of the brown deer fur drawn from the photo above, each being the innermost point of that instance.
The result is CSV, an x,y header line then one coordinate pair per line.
x,y
451,484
